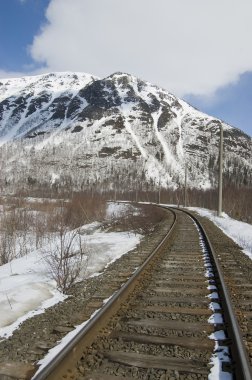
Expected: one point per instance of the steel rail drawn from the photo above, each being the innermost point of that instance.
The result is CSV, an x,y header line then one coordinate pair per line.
x,y
101,317
242,368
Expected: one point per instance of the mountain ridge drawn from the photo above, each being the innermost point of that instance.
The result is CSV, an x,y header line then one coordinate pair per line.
x,y
86,131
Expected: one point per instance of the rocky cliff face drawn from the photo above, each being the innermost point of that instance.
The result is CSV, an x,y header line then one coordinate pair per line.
x,y
75,130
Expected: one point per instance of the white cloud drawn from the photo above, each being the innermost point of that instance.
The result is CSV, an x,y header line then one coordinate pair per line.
x,y
10,74
185,46
17,74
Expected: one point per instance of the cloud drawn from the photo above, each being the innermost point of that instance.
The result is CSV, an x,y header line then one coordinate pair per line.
x,y
187,47
10,74
4,74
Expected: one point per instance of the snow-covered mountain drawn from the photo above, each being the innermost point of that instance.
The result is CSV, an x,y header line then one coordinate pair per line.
x,y
73,129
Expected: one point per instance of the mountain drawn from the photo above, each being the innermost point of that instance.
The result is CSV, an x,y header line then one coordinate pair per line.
x,y
79,131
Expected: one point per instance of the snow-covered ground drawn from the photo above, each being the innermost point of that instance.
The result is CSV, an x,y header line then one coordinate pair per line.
x,y
120,209
238,231
26,287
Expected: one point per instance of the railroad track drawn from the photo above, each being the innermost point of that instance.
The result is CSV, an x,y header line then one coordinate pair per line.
x,y
157,325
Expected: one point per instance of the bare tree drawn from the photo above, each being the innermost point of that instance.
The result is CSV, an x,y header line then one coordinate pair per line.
x,y
68,258
7,237
6,248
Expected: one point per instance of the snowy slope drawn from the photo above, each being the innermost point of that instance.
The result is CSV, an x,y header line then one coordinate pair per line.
x,y
77,130
29,101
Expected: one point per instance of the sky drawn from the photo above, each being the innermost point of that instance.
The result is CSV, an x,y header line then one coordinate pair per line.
x,y
199,50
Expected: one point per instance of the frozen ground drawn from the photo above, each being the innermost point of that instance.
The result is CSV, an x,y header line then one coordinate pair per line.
x,y
26,288
238,231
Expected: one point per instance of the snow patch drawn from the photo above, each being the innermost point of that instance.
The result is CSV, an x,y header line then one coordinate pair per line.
x,y
26,286
238,231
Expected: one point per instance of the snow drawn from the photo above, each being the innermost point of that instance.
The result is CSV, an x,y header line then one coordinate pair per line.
x,y
27,290
114,210
26,286
238,231
241,233
221,353
170,159
126,110
30,298
29,108
57,82
106,247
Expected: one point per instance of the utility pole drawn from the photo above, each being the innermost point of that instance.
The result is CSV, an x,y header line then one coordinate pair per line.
x,y
159,191
220,171
185,188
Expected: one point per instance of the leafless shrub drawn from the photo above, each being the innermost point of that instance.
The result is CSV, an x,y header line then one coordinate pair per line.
x,y
140,219
84,208
237,200
23,218
67,259
14,233
40,230
7,248
7,237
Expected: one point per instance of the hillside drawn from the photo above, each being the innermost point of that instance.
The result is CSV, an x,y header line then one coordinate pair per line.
x,y
78,131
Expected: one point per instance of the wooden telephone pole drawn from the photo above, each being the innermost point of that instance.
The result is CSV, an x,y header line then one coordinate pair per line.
x,y
220,171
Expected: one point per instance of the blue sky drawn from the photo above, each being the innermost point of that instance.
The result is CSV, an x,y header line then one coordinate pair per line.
x,y
231,103
198,51
19,22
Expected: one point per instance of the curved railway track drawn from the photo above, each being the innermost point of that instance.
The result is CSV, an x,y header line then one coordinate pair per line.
x,y
157,325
